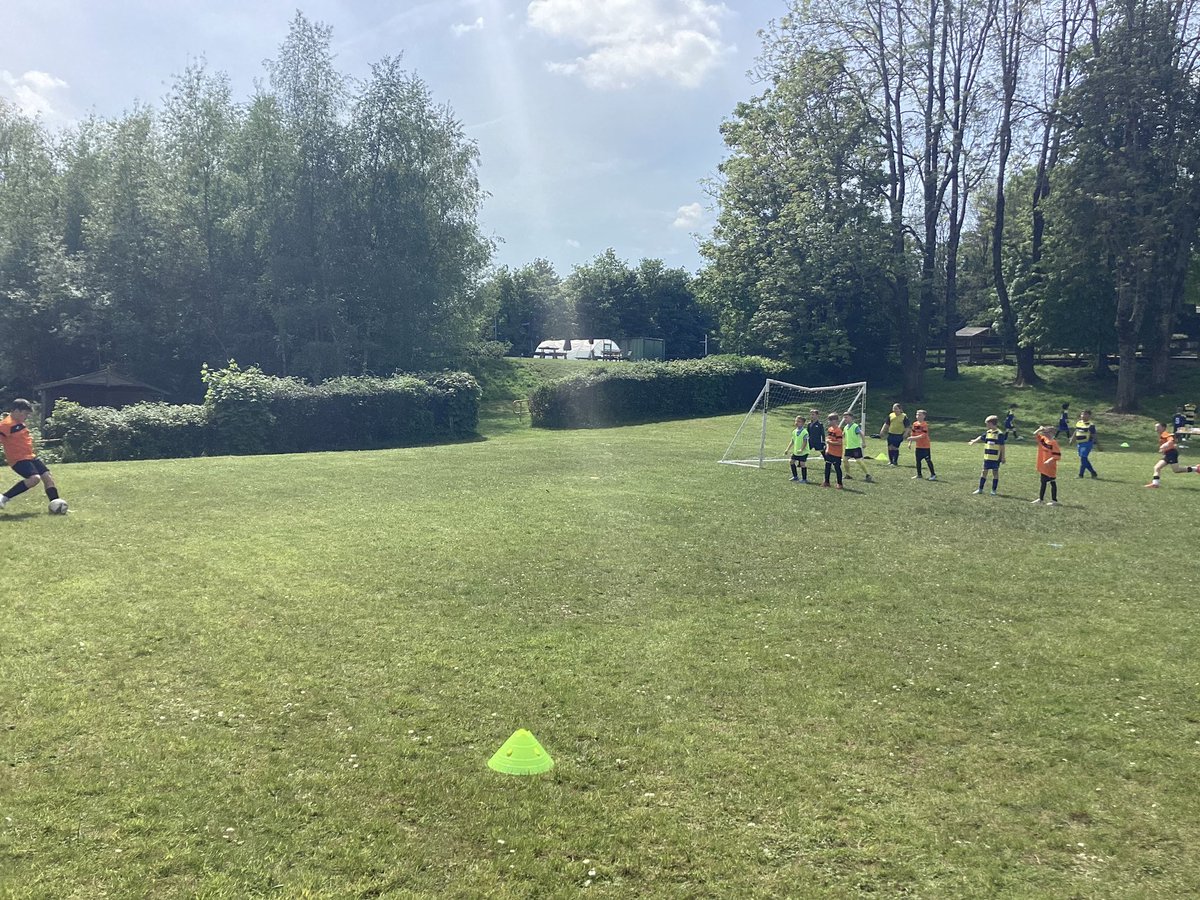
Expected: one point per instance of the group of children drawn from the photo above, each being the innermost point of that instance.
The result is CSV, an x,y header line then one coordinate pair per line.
x,y
837,440
842,439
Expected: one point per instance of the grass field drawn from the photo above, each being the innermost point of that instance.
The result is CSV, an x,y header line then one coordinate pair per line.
x,y
283,676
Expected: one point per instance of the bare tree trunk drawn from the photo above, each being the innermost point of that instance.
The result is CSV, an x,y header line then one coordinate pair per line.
x,y
1131,311
1126,372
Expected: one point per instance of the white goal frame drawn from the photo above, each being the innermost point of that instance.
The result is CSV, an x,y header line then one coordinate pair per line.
x,y
762,406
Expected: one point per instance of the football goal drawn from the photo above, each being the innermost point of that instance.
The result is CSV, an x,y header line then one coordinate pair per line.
x,y
767,428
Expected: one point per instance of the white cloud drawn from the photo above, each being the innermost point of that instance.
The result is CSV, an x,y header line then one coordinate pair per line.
x,y
461,28
34,93
574,244
630,41
689,217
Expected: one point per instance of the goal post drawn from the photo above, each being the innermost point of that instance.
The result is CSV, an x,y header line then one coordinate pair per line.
x,y
764,432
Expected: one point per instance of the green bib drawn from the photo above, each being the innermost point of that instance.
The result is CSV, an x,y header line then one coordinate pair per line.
x,y
854,439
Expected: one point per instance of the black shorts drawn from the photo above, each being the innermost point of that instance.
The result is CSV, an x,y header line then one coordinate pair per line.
x,y
924,453
991,464
1171,457
800,459
854,453
895,440
27,468
831,458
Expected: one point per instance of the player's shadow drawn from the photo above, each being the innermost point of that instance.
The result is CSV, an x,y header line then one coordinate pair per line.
x,y
27,514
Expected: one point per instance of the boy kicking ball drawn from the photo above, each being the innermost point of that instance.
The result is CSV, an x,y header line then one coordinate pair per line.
x,y
18,451
1170,453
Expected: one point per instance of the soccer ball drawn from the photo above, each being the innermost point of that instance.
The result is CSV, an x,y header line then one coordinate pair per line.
x,y
58,507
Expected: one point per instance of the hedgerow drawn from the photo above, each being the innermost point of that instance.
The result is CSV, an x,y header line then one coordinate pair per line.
x,y
653,391
246,411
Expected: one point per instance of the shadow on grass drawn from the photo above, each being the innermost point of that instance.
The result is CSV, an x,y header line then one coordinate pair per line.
x,y
24,514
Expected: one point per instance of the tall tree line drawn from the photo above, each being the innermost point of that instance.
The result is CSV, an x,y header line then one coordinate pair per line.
x,y
1030,164
321,227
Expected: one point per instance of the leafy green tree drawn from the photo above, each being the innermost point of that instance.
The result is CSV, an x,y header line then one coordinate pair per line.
x,y
128,238
675,312
417,254
799,257
606,299
526,306
1130,176
28,195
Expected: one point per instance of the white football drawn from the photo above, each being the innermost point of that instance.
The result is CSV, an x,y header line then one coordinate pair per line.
x,y
58,507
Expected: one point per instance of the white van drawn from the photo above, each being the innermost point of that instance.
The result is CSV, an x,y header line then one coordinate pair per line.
x,y
578,348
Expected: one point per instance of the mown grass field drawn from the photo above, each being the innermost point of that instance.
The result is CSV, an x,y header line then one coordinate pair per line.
x,y
283,676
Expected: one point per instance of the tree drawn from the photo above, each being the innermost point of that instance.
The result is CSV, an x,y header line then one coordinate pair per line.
x,y
676,315
1130,172
526,306
799,267
606,299
413,251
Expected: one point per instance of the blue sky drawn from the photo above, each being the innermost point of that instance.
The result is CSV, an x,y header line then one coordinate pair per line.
x,y
596,120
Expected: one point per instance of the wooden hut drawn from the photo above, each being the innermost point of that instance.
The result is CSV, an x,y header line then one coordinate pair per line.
x,y
970,343
103,388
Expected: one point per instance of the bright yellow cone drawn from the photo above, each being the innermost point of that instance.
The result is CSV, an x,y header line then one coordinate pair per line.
x,y
521,754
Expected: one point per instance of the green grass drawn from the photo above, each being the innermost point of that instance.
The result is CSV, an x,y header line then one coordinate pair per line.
x,y
262,677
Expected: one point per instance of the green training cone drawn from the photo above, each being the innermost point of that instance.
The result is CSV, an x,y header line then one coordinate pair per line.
x,y
521,754
882,457
1125,444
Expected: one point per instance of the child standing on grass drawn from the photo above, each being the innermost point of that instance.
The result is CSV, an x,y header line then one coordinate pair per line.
x,y
1170,453
18,452
920,434
896,430
1010,424
798,448
993,453
1048,455
1085,442
816,432
833,450
853,436
1064,424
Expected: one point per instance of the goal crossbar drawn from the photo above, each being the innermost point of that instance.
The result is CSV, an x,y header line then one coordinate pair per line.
x,y
783,401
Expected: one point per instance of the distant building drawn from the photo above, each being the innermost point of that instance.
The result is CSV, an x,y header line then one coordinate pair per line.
x,y
102,388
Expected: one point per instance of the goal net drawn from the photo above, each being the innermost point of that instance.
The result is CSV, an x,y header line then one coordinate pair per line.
x,y
764,434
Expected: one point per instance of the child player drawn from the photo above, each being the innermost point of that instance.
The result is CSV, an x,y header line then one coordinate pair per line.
x,y
853,436
1178,424
816,432
1170,453
993,453
895,428
798,448
1064,426
920,434
1085,442
1010,424
833,450
18,451
1048,455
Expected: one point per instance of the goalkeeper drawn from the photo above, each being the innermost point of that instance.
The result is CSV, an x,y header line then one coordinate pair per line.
x,y
853,437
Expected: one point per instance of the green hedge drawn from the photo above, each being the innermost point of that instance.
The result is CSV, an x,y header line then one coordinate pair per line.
x,y
143,431
652,391
246,411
